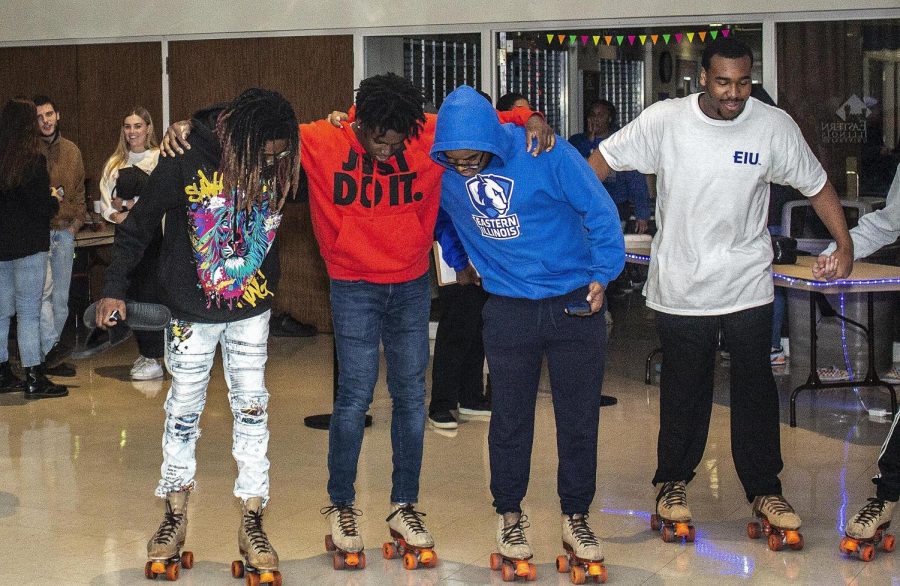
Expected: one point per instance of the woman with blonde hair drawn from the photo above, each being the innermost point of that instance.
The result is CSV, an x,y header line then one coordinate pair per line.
x,y
124,173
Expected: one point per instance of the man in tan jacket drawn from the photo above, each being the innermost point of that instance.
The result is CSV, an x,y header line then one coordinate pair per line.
x,y
66,170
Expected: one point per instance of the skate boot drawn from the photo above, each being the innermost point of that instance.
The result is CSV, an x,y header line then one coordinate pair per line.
x,y
583,557
514,553
410,538
867,529
164,555
673,517
777,520
344,539
260,559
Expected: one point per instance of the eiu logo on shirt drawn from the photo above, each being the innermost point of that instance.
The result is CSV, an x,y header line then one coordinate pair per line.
x,y
371,190
490,195
746,158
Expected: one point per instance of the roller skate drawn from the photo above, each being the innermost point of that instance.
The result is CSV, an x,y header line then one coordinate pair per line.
x,y
583,559
344,540
673,517
164,555
777,520
260,560
513,559
867,529
410,538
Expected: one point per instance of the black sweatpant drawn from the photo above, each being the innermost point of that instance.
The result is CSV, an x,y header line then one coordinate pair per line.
x,y
686,393
144,287
457,373
888,480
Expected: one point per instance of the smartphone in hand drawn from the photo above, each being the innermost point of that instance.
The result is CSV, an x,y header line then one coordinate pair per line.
x,y
578,309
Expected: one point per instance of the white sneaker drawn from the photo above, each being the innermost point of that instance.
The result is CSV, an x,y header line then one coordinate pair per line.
x,y
146,369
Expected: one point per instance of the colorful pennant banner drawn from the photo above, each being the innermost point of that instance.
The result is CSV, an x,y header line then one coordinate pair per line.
x,y
620,39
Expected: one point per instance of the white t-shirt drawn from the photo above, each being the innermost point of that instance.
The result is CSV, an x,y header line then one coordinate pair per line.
x,y
712,254
146,161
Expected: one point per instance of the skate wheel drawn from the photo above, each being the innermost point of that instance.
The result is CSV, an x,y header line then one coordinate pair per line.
x,y
692,534
848,545
602,576
428,558
888,543
388,551
337,561
172,572
654,522
187,560
329,543
562,564
237,569
252,579
410,562
867,552
577,575
668,535
775,543
362,560
532,573
496,561
148,571
277,580
798,544
754,531
508,573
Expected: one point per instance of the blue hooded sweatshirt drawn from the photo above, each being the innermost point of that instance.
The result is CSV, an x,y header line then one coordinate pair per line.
x,y
533,227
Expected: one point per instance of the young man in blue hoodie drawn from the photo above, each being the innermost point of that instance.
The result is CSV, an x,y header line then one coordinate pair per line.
x,y
544,235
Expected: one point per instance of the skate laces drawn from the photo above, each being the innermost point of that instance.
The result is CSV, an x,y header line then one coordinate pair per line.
x,y
346,518
169,526
411,518
581,531
255,534
870,512
775,503
515,533
673,494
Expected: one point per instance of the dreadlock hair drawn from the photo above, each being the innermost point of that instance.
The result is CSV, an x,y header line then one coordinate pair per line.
x,y
19,146
390,102
247,123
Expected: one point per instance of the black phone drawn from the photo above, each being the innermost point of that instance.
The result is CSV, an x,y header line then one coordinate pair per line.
x,y
578,308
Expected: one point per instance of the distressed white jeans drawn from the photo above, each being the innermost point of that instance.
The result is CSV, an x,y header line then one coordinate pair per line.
x,y
190,350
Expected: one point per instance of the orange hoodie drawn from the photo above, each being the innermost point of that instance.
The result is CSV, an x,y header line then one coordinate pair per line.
x,y
374,221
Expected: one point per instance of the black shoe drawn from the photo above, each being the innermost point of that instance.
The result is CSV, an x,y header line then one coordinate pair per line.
x,y
9,382
480,409
443,420
286,326
37,386
61,369
607,400
56,355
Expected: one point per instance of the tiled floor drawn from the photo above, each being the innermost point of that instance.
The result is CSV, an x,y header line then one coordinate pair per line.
x,y
77,477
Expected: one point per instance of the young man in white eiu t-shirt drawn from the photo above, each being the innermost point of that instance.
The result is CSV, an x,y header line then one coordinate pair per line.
x,y
714,155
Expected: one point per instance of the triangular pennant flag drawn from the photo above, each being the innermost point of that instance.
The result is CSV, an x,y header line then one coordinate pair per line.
x,y
584,39
654,38
631,39
620,38
725,32
596,39
643,39
608,39
714,34
550,38
561,38
690,37
678,37
571,39
666,38
702,35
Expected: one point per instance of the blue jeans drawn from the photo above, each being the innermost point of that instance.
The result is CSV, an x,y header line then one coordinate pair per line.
x,y
21,281
395,315
55,300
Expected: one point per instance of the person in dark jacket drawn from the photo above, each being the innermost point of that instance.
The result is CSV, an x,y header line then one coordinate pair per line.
x,y
219,270
26,206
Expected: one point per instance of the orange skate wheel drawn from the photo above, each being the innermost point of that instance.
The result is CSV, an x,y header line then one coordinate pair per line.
x,y
508,573
797,545
532,573
362,560
252,579
148,571
237,569
602,576
428,558
577,575
337,561
848,545
562,564
867,552
775,543
277,581
409,561
888,543
187,560
172,572
668,534
754,531
495,562
692,534
654,522
329,543
388,551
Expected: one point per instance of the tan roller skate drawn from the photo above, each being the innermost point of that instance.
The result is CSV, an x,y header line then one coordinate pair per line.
x,y
867,529
673,517
513,557
164,555
260,562
778,521
584,558
409,538
344,540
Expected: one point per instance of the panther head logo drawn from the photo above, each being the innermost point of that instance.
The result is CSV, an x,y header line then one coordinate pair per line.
x,y
490,194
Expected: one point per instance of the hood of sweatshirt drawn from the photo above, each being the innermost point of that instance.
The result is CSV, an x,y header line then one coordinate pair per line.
x,y
468,121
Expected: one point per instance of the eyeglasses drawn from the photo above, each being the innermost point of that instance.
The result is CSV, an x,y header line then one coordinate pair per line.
x,y
271,159
469,164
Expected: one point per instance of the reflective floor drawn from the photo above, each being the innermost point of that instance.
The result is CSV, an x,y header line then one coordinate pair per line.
x,y
77,478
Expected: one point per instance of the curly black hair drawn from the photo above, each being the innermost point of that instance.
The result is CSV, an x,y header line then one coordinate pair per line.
x,y
390,102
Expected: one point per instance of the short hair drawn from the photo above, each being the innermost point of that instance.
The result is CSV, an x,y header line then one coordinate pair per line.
x,y
506,101
390,102
610,107
486,96
727,47
40,99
